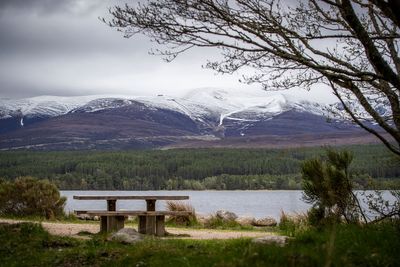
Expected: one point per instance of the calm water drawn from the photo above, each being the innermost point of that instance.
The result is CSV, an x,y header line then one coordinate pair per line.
x,y
253,203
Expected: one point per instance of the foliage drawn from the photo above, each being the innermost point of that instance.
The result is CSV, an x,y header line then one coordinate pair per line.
x,y
353,245
27,196
194,169
293,225
216,222
327,185
381,207
181,219
350,46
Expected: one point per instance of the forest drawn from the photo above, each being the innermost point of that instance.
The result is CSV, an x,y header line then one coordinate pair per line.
x,y
194,169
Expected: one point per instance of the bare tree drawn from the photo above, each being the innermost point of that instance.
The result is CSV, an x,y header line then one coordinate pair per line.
x,y
350,45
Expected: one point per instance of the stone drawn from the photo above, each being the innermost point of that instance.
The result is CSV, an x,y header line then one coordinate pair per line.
x,y
226,215
126,236
84,217
267,221
203,218
272,240
245,220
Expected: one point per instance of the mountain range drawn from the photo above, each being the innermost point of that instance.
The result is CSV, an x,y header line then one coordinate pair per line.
x,y
203,118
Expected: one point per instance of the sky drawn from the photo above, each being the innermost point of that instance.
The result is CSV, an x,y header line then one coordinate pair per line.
x,y
60,47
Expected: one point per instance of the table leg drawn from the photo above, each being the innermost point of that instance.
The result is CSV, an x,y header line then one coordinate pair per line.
x,y
160,225
150,225
151,204
151,220
111,204
103,224
142,224
115,223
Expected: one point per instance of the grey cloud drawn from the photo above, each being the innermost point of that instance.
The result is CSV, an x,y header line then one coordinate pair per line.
x,y
49,7
33,3
28,33
52,47
46,7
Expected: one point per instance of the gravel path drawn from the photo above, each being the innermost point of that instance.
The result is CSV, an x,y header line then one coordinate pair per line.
x,y
72,229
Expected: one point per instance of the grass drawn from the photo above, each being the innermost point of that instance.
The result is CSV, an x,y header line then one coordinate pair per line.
x,y
68,218
294,224
218,223
215,223
186,220
28,244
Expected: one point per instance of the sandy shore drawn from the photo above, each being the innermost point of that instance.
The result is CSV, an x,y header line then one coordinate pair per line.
x,y
72,229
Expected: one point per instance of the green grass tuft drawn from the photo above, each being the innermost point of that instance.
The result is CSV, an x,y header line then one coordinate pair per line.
x,y
27,244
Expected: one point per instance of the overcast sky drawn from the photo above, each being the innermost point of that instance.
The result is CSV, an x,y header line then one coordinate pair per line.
x,y
59,47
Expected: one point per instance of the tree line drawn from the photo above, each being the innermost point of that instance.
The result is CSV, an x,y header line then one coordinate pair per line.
x,y
195,169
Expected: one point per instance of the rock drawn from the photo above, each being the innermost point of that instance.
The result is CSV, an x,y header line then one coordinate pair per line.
x,y
267,221
272,240
295,218
226,215
87,217
245,220
84,217
203,219
126,236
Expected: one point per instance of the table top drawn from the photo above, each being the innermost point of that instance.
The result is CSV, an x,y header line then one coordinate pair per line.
x,y
131,197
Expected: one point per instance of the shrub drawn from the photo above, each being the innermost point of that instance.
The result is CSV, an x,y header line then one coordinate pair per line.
x,y
28,196
215,222
292,225
327,185
182,219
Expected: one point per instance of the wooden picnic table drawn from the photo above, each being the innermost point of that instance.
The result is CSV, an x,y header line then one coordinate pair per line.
x,y
150,221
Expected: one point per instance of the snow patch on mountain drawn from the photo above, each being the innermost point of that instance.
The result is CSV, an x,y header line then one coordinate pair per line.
x,y
102,104
49,106
201,105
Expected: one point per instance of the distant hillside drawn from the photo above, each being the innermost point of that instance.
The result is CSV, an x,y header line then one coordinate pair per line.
x,y
203,118
191,168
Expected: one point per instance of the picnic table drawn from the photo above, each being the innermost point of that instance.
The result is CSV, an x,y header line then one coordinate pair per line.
x,y
150,221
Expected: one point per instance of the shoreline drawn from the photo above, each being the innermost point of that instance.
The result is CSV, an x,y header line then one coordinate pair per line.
x,y
73,229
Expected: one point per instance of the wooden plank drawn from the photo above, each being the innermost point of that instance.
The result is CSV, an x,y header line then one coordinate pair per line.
x,y
131,197
160,225
103,224
151,204
111,204
79,212
142,224
120,222
151,225
135,213
114,223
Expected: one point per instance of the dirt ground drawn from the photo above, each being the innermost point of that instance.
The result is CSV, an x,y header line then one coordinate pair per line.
x,y
72,229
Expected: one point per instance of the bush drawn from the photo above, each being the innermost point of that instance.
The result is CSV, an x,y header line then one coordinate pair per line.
x,y
215,222
327,186
291,225
182,219
28,196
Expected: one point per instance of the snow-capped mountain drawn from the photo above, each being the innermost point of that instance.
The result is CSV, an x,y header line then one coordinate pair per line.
x,y
156,120
41,106
212,103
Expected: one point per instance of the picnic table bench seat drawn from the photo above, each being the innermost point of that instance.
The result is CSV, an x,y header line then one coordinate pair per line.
x,y
150,221
132,213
